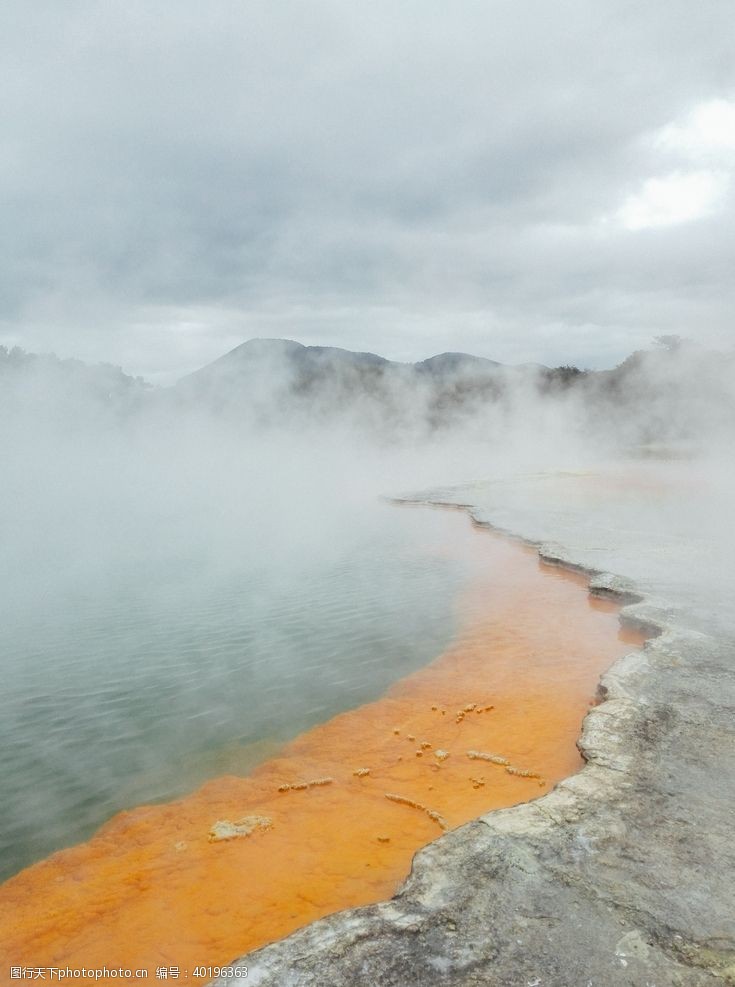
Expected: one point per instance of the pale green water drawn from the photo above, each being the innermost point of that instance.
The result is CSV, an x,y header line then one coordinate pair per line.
x,y
140,686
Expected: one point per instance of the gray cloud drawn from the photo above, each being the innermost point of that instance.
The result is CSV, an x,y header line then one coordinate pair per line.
x,y
399,178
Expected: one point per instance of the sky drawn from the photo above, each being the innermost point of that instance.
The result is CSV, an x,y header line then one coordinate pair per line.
x,y
526,180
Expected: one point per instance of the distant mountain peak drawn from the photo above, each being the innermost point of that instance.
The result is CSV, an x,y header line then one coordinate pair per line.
x,y
450,362
260,346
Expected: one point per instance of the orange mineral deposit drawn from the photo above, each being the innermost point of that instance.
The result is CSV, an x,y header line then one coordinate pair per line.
x,y
334,820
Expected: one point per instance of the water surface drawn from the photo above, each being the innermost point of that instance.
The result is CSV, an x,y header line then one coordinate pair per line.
x,y
138,686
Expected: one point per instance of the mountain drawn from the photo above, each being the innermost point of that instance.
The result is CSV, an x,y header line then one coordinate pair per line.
x,y
670,393
455,363
286,352
277,379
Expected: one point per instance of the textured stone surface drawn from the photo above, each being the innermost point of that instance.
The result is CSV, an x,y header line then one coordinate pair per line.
x,y
622,875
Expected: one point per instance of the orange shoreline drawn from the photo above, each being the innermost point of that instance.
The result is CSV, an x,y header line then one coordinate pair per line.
x,y
151,889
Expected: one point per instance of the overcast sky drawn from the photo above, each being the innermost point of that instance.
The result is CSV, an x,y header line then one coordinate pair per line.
x,y
528,180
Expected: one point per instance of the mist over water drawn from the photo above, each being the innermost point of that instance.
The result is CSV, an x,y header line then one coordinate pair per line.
x,y
177,602
187,582
142,686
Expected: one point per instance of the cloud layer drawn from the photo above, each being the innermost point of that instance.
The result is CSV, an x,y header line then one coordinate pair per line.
x,y
529,182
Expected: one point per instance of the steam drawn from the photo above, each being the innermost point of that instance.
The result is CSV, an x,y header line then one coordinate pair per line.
x,y
273,451
252,484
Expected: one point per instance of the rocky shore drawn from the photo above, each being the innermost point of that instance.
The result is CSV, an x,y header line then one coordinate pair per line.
x,y
623,874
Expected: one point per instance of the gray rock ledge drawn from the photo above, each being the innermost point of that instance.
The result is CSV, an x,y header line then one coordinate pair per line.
x,y
621,875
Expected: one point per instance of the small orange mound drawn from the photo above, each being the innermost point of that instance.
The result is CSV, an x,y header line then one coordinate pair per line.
x,y
335,819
